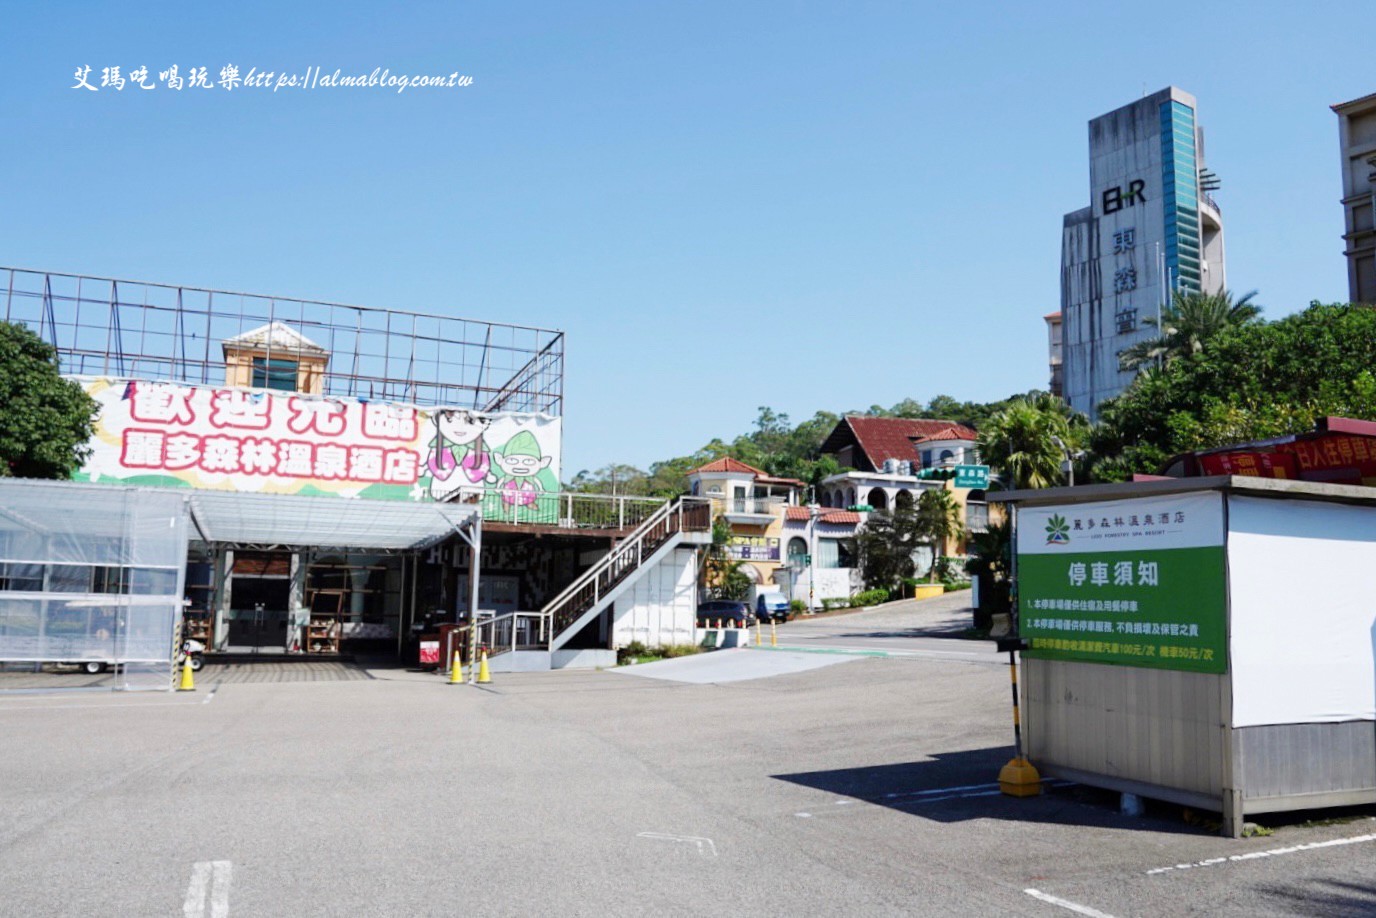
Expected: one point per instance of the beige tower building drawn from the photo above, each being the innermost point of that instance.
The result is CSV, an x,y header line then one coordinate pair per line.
x,y
1357,137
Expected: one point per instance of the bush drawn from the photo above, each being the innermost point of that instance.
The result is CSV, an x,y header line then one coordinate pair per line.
x,y
949,569
797,607
870,597
953,585
835,602
637,652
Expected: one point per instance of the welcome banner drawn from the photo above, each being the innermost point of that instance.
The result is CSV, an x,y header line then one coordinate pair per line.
x,y
222,438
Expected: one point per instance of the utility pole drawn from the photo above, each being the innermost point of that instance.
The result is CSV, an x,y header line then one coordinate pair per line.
x,y
814,513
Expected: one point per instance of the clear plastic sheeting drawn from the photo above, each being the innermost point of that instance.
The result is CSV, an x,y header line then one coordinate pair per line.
x,y
291,520
91,574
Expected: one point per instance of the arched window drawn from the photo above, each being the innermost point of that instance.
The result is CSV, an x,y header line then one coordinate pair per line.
x,y
947,454
826,498
976,512
878,499
903,500
851,503
797,551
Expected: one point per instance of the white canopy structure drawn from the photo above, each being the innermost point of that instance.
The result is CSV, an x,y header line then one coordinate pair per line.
x,y
291,521
95,572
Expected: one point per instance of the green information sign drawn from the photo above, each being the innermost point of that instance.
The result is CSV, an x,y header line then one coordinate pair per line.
x,y
1131,582
972,476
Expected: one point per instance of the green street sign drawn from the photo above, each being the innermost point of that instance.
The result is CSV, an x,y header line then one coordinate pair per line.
x,y
972,476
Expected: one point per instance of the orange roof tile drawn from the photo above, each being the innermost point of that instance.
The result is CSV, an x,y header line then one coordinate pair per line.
x,y
727,464
829,515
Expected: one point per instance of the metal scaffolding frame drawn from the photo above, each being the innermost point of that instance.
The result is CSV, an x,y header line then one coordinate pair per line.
x,y
141,330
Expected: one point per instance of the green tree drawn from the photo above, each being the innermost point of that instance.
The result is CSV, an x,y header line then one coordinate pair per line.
x,y
616,478
1249,382
1021,440
45,420
938,519
722,574
991,560
886,545
1186,324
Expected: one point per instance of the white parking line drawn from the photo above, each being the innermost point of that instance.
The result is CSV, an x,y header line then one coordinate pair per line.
x,y
212,877
1067,904
1272,852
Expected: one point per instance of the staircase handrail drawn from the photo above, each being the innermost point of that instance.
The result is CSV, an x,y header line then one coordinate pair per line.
x,y
664,522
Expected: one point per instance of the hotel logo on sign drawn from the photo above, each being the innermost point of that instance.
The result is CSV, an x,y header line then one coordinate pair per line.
x,y
1057,531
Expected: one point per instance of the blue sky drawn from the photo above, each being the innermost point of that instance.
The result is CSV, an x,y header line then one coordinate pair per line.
x,y
724,205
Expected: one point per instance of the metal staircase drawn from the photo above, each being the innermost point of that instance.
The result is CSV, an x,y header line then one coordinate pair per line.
x,y
686,518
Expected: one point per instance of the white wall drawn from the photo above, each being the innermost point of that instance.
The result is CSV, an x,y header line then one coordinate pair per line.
x,y
1302,578
832,583
661,607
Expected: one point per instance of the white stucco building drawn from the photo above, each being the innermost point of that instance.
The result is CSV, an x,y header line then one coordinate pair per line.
x,y
1151,228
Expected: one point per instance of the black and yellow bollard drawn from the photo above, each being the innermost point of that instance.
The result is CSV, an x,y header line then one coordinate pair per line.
x,y
1018,778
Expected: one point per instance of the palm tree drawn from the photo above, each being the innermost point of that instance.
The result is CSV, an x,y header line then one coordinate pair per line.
x,y
991,562
1190,320
1020,441
938,519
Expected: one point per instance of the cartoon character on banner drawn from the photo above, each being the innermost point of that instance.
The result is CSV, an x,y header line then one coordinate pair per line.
x,y
525,478
458,457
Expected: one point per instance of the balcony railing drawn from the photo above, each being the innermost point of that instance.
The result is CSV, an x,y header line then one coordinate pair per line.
x,y
565,509
761,506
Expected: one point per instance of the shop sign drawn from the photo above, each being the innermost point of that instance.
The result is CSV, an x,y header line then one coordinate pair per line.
x,y
223,438
1131,582
753,548
1250,464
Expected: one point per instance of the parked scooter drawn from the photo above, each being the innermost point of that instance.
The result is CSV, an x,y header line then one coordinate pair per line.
x,y
195,651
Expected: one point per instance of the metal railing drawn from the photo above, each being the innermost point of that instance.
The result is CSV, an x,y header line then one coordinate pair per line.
x,y
510,631
765,506
686,514
564,509
104,326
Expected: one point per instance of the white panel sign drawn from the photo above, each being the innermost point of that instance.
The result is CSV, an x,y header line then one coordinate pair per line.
x,y
1140,524
1303,620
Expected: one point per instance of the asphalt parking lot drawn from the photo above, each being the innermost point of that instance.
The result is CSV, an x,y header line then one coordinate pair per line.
x,y
859,788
